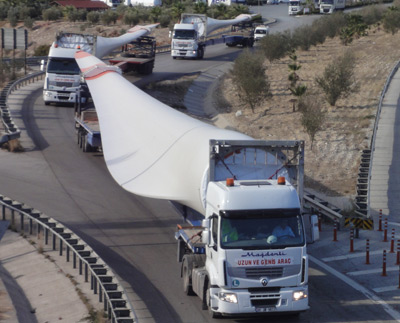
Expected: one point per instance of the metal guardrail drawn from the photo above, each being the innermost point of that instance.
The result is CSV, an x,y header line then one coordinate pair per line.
x,y
364,177
102,279
323,207
11,129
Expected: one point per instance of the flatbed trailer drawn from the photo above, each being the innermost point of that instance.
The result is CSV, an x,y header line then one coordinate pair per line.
x,y
137,56
87,125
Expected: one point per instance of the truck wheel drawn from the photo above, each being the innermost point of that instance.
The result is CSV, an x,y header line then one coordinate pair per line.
x,y
207,298
187,286
200,53
46,103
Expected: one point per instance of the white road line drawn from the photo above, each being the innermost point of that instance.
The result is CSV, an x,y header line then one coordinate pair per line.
x,y
386,289
351,255
371,271
374,298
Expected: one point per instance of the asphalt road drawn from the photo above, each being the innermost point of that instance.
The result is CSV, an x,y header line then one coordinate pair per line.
x,y
135,235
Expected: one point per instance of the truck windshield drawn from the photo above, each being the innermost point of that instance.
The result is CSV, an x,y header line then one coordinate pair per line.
x,y
63,66
326,1
260,31
261,232
184,34
294,3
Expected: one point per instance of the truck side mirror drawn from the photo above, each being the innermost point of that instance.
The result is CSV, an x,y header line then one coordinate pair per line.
x,y
314,227
205,237
42,65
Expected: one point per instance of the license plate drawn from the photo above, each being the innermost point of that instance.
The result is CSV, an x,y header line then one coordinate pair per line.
x,y
265,309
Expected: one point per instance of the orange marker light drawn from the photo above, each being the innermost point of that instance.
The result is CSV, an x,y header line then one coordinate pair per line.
x,y
230,182
281,180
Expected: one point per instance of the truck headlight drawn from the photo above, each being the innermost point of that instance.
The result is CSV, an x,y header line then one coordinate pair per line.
x,y
300,294
228,297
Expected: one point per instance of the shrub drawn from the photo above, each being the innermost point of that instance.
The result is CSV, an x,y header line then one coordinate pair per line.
x,y
338,78
42,50
12,16
131,18
276,46
391,20
248,75
108,17
28,22
93,17
165,20
52,14
312,115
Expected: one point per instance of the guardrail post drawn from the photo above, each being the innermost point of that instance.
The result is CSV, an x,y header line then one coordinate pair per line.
x,y
38,229
46,236
80,266
100,294
22,222
30,226
95,286
380,220
61,247
74,260
4,212
105,303
12,218
68,253
367,253
319,223
91,281
54,241
86,273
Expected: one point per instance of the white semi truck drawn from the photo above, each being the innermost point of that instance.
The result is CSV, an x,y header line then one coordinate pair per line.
x,y
63,78
191,36
240,258
330,6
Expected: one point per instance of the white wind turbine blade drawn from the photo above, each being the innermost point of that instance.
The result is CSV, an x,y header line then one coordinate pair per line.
x,y
105,46
150,149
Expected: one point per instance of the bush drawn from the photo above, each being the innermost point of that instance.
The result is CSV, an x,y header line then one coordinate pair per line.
x,y
42,50
4,7
93,17
338,78
28,22
52,14
312,115
165,20
248,75
391,20
108,17
131,18
12,16
372,14
276,46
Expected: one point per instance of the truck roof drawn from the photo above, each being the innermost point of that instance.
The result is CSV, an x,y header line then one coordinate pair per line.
x,y
185,27
60,52
252,195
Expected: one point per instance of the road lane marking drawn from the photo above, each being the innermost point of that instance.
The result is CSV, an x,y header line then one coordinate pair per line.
x,y
369,294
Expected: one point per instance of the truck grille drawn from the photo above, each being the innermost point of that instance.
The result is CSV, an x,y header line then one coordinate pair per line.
x,y
62,84
257,273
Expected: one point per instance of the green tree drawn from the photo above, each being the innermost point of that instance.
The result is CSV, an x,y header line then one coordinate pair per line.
x,y
312,115
276,46
338,79
155,14
200,7
391,20
12,16
177,10
248,75
296,89
93,17
108,17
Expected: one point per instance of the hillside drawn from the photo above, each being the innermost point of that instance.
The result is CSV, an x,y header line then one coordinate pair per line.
x,y
332,166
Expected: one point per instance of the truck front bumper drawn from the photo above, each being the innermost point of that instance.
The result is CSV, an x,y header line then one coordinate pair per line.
x,y
59,97
286,300
183,53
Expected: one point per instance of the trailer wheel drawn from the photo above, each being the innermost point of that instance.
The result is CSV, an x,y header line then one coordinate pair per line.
x,y
187,285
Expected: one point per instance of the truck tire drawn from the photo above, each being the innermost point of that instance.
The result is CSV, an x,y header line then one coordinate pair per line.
x,y
200,53
187,279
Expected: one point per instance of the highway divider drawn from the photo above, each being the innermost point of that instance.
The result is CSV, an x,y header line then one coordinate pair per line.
x,y
11,130
102,280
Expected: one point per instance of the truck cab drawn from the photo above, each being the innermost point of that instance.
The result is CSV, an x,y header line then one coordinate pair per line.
x,y
185,42
256,256
260,32
330,6
295,7
62,76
